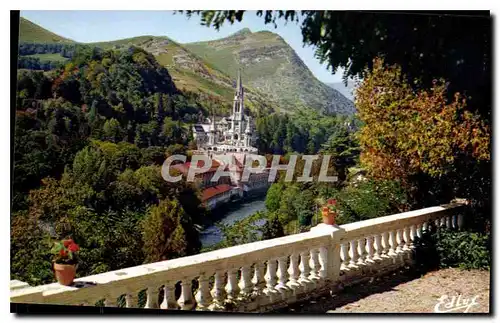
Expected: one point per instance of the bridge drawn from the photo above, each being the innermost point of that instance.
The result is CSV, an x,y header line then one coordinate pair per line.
x,y
262,276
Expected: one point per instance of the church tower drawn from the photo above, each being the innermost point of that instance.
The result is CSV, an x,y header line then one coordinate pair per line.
x,y
238,111
212,132
248,133
238,105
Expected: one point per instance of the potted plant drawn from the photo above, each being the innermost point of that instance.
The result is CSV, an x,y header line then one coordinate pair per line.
x,y
65,261
329,212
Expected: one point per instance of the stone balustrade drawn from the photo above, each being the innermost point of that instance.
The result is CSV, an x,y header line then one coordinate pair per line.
x,y
258,276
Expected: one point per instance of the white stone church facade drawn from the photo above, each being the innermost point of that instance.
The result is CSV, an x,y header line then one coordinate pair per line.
x,y
234,133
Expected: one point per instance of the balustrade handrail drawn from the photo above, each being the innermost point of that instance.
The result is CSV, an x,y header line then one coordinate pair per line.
x,y
180,268
129,280
395,221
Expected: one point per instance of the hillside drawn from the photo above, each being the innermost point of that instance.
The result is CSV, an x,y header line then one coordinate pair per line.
x,y
30,32
188,71
347,91
270,65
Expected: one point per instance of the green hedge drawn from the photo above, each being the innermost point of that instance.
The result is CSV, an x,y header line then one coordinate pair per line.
x,y
441,248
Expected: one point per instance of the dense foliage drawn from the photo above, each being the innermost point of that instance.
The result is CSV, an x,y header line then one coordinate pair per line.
x,y
305,131
449,248
436,147
90,139
35,63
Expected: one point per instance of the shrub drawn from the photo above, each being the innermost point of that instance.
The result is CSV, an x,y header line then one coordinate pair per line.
x,y
370,199
448,248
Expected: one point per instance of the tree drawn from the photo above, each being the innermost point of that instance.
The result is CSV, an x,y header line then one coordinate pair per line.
x,y
273,196
112,130
304,207
408,132
286,210
163,236
273,228
343,148
421,137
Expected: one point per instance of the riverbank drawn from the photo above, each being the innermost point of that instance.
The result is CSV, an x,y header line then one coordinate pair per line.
x,y
229,214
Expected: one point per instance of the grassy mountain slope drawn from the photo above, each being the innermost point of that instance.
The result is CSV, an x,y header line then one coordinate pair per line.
x,y
188,71
270,65
30,32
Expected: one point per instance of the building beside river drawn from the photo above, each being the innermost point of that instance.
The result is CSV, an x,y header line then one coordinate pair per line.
x,y
228,141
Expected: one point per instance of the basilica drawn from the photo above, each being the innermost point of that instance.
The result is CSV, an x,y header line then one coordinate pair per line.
x,y
234,133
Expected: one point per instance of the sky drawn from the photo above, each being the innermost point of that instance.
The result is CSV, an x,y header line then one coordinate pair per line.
x,y
94,26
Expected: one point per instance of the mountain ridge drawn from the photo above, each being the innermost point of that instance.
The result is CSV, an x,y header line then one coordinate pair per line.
x,y
191,70
272,66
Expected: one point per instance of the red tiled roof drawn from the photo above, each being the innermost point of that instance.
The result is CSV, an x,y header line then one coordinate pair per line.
x,y
184,168
214,190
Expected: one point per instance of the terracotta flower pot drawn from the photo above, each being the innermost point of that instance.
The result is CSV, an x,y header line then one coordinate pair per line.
x,y
65,274
328,216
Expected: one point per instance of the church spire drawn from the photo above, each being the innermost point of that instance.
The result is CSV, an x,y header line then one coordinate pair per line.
x,y
239,84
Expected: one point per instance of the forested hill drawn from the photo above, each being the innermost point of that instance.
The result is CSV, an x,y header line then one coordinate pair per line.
x,y
90,139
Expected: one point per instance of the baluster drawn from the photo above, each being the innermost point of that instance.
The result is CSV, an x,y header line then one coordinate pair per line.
x,y
111,301
413,235
152,297
425,226
419,231
282,276
232,288
386,246
353,253
323,260
344,255
304,270
460,221
377,247
314,265
203,297
399,241
169,301
454,224
370,251
218,292
258,279
392,244
245,283
406,239
361,252
442,222
271,279
131,299
293,271
448,222
186,299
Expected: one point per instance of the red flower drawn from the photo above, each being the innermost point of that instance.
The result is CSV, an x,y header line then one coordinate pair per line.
x,y
332,202
63,252
68,242
73,247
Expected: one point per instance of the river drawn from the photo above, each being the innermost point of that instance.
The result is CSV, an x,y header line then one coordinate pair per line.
x,y
212,234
